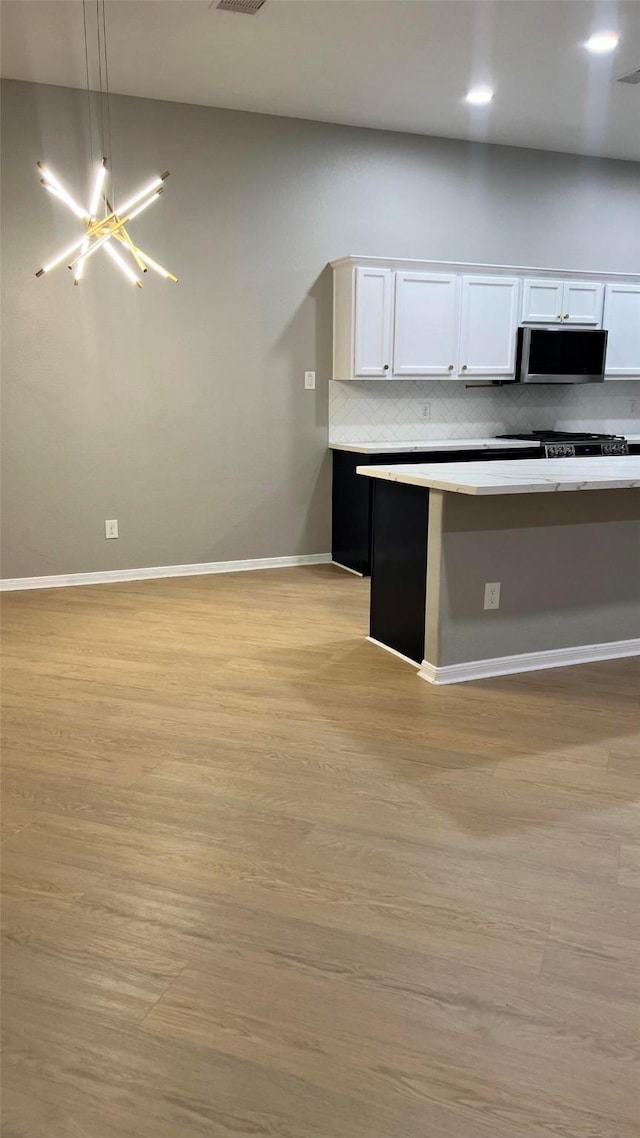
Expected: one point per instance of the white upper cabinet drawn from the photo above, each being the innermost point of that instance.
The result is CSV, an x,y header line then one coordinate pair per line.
x,y
582,303
488,324
622,321
373,322
426,324
562,302
542,302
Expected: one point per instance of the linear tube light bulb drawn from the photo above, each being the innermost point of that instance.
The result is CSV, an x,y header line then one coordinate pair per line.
x,y
79,212
134,212
156,267
62,257
154,185
80,266
122,264
50,179
97,188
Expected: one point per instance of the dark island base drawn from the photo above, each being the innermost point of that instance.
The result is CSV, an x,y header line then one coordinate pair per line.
x,y
399,567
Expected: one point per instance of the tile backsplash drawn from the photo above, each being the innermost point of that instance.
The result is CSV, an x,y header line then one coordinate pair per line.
x,y
393,410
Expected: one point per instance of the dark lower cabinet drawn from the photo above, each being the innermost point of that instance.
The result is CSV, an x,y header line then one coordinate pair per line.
x,y
399,567
352,504
351,513
352,496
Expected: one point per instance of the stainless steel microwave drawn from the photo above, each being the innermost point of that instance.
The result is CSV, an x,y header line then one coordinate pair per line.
x,y
560,355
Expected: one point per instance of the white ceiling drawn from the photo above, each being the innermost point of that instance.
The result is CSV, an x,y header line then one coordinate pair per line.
x,y
395,64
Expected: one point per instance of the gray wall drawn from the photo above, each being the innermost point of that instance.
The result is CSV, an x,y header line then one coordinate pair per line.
x,y
568,564
180,410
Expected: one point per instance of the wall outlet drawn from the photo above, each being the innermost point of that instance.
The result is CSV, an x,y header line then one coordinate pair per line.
x,y
425,412
111,528
492,595
310,380
633,406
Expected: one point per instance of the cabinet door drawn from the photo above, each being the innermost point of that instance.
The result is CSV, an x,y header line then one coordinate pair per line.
x,y
542,302
488,324
373,319
622,321
426,325
582,303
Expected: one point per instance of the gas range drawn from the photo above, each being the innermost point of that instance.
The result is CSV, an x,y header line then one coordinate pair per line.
x,y
572,444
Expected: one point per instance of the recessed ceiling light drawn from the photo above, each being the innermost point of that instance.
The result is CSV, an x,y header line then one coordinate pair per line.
x,y
602,43
479,96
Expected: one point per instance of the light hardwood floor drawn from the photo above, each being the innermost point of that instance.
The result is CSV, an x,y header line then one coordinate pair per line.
x,y
262,882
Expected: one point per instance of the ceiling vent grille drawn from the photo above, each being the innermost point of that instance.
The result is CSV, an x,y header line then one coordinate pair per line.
x,y
632,77
249,7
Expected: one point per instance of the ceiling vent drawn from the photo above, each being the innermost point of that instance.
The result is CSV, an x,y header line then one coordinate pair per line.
x,y
249,7
632,77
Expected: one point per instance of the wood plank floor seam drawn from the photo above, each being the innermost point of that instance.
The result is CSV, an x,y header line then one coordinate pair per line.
x,y
163,994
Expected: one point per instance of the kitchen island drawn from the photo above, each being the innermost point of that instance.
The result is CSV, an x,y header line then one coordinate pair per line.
x,y
560,536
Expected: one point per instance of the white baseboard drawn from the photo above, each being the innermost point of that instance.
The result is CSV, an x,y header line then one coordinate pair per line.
x,y
114,576
346,568
528,662
393,651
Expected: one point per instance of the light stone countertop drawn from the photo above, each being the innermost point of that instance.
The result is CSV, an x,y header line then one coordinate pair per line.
x,y
516,476
433,444
381,447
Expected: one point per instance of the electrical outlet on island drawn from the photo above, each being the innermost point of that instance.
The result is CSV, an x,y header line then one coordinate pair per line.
x,y
492,595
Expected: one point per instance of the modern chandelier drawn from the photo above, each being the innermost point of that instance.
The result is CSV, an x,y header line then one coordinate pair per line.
x,y
102,232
